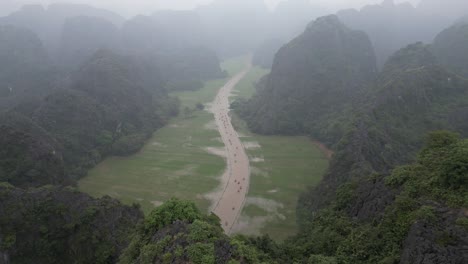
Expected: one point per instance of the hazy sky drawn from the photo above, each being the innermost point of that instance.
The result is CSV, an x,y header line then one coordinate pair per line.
x,y
131,7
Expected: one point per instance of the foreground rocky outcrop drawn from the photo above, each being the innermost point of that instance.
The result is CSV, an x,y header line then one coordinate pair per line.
x,y
29,156
62,225
442,241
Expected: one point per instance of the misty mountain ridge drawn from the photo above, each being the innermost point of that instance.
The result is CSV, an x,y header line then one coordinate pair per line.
x,y
392,26
73,33
48,22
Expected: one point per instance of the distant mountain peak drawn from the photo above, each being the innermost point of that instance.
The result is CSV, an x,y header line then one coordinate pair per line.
x,y
386,3
32,7
330,20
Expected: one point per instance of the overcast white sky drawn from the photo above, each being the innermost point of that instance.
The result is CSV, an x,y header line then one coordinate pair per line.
x,y
132,7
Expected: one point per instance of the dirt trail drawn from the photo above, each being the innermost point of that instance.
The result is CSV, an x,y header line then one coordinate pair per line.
x,y
236,179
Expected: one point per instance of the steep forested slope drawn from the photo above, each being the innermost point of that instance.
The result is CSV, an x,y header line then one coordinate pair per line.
x,y
29,156
450,48
62,225
25,69
106,110
423,213
314,78
412,96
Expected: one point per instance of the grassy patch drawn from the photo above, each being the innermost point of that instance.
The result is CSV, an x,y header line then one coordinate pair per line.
x,y
173,163
282,168
253,210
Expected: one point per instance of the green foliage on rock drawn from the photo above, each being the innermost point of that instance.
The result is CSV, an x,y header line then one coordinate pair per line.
x,y
57,225
436,178
169,212
177,231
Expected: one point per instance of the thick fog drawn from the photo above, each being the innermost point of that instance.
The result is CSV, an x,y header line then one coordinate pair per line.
x,y
265,25
132,7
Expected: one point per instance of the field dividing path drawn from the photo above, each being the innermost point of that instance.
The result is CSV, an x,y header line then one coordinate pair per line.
x,y
236,178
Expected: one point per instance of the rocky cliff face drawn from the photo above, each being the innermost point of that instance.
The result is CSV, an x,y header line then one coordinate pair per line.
x,y
442,241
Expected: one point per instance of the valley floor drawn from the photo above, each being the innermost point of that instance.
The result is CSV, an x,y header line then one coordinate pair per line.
x,y
187,158
282,167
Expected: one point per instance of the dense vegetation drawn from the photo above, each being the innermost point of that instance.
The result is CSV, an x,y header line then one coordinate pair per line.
x,y
177,232
415,226
29,156
61,225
